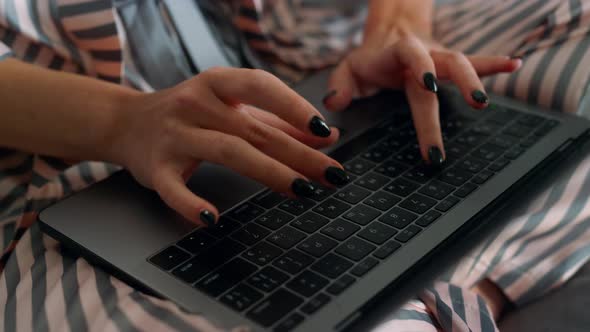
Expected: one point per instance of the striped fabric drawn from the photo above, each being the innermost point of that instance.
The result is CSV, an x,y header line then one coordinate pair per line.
x,y
42,288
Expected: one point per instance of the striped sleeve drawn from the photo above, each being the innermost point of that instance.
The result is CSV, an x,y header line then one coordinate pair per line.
x,y
5,52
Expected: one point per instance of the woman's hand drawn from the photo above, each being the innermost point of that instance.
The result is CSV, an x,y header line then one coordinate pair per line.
x,y
398,53
165,135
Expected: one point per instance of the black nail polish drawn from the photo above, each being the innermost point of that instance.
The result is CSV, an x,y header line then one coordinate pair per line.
x,y
319,127
208,218
302,188
329,95
480,97
435,156
430,82
336,176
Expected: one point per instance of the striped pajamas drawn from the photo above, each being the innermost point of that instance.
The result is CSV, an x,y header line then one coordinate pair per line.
x,y
542,245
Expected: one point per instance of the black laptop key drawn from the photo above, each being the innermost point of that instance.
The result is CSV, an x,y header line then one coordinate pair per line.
x,y
297,206
268,279
226,277
488,152
359,166
274,219
447,204
465,190
472,165
220,253
409,156
546,128
196,241
418,203
455,177
501,116
338,286
361,214
286,237
486,128
387,249
310,222
331,208
262,253
294,261
317,245
223,227
307,283
391,168
408,233
191,271
420,174
290,323
503,141
377,154
382,200
377,232
365,266
482,177
245,212
316,303
352,194
401,187
531,120
331,266
428,218
499,164
470,139
355,249
269,199
398,218
169,258
241,297
457,150
437,189
514,153
529,141
372,181
517,130
250,234
340,229
273,308
320,193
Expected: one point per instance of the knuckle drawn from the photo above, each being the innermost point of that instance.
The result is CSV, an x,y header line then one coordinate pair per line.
x,y
457,57
213,72
227,147
259,135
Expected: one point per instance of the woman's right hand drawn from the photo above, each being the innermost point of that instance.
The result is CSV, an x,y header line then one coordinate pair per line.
x,y
162,137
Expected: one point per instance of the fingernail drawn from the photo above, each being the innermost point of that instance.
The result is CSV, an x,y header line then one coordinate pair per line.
x,y
336,176
329,95
208,218
480,97
430,82
435,156
319,127
302,188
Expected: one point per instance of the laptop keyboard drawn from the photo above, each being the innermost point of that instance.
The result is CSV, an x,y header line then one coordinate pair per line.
x,y
279,260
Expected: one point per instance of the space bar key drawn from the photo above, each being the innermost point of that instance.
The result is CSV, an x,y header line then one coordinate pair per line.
x,y
274,307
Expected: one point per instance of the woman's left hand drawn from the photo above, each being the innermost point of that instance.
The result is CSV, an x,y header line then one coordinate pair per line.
x,y
406,58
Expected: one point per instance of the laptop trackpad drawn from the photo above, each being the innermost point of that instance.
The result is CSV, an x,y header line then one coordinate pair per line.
x,y
221,186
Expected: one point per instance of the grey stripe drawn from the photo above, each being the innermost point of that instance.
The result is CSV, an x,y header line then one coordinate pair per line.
x,y
101,31
487,324
551,277
445,314
405,314
9,38
108,296
8,231
162,314
65,183
34,15
457,301
510,277
6,56
86,173
11,15
63,35
464,16
84,8
16,193
31,53
12,276
69,280
113,56
39,281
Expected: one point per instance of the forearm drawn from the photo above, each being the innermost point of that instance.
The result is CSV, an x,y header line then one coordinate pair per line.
x,y
388,17
58,114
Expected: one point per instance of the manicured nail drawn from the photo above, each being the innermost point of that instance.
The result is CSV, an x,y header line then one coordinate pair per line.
x,y
208,218
435,156
480,97
336,176
302,188
319,127
329,95
430,82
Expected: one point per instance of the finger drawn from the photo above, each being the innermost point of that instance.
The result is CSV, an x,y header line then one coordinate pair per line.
x,y
242,157
461,72
425,113
341,87
173,190
264,90
484,65
307,139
